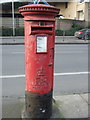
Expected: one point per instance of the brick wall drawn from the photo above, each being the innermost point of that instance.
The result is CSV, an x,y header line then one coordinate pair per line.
x,y
8,22
61,24
66,24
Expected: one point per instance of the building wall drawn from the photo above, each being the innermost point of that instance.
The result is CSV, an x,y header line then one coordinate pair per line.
x,y
66,24
69,11
87,15
84,9
75,10
80,11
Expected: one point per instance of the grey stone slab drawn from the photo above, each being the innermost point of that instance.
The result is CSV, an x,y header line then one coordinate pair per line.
x,y
72,106
89,111
89,98
85,97
11,108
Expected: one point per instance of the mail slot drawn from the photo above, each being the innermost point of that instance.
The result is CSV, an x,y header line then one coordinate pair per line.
x,y
42,29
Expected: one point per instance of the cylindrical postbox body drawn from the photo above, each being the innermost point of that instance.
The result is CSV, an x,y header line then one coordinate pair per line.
x,y
39,24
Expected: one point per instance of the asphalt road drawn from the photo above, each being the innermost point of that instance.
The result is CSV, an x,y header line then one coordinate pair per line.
x,y
71,67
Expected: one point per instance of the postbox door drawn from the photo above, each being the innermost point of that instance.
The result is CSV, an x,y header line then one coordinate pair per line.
x,y
40,62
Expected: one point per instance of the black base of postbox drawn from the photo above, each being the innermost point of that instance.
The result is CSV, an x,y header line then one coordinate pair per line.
x,y
37,105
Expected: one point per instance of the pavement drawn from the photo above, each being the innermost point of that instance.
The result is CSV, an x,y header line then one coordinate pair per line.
x,y
59,40
73,106
64,106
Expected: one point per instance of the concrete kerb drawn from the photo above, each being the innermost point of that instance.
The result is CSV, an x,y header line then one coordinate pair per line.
x,y
70,40
19,40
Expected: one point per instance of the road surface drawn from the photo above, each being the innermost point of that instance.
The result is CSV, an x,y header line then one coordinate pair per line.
x,y
71,68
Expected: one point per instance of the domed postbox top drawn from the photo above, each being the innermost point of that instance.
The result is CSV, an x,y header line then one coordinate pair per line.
x,y
39,9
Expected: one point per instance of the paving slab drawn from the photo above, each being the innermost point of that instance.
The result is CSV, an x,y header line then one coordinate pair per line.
x,y
11,108
72,106
85,97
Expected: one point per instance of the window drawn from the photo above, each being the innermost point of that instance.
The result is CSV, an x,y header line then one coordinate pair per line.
x,y
80,15
66,5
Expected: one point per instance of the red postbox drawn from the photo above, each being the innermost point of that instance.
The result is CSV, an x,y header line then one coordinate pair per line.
x,y
39,24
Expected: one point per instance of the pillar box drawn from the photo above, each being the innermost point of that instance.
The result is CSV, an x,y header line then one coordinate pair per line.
x,y
39,23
